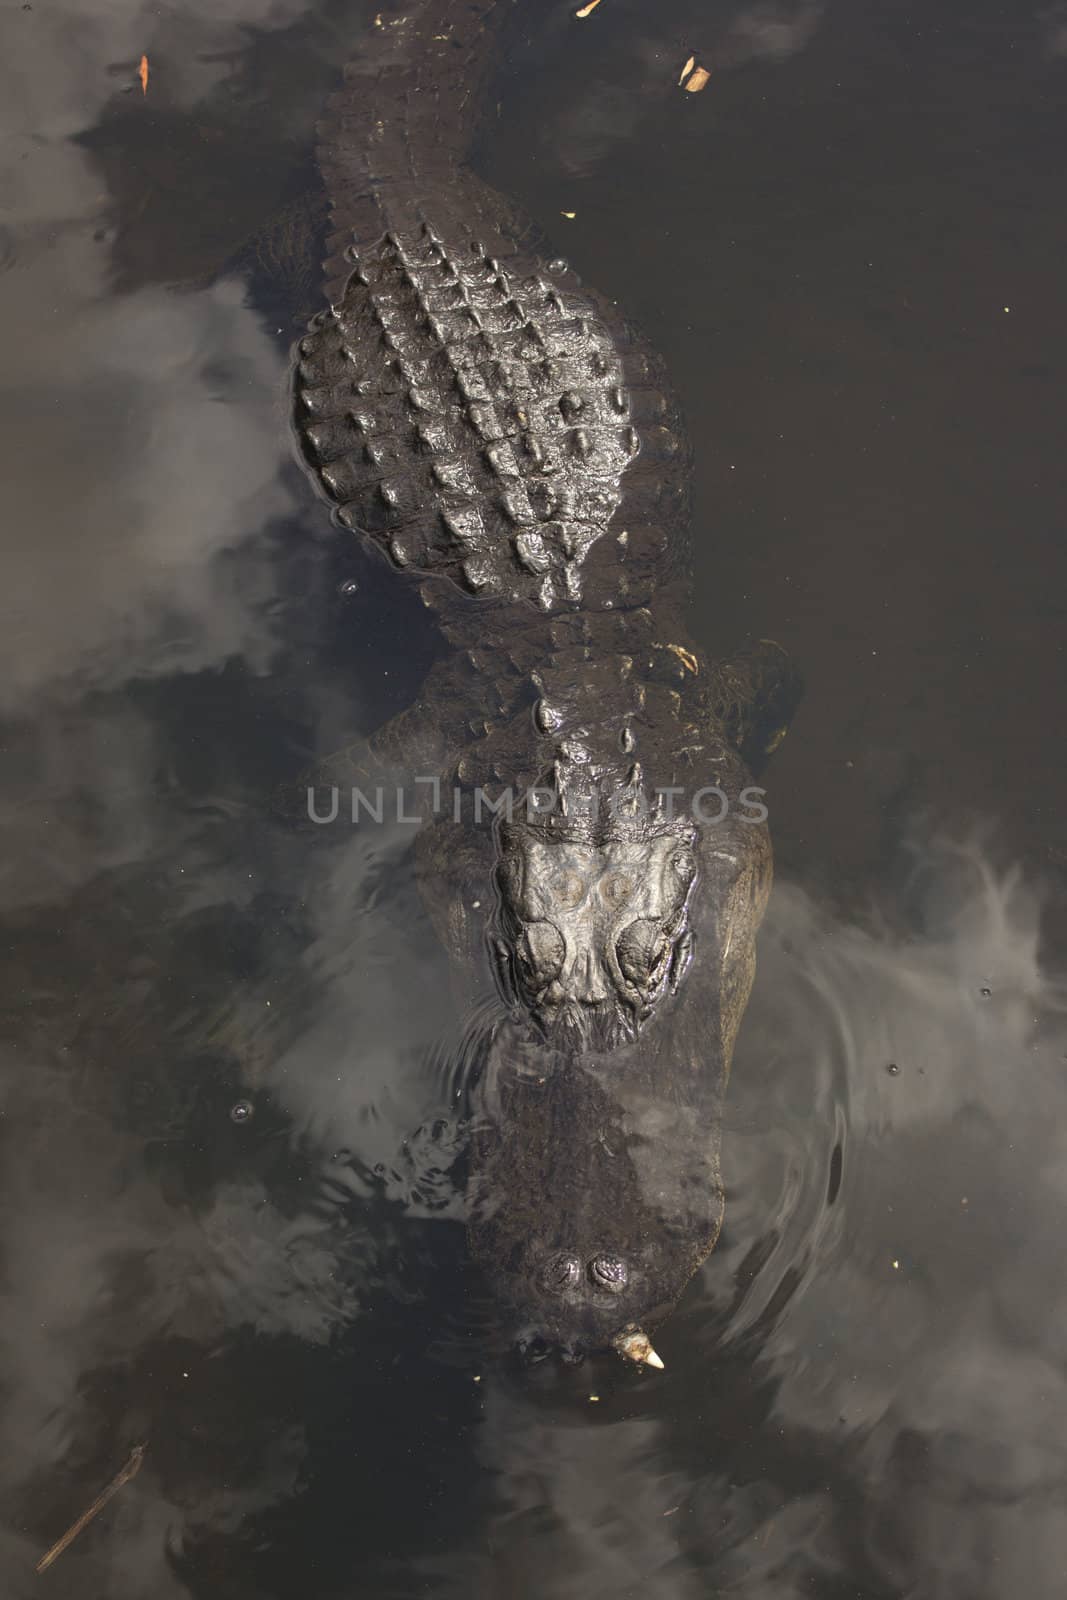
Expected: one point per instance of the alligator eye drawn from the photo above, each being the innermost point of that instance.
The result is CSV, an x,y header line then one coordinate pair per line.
x,y
641,951
541,952
609,1272
617,888
559,1273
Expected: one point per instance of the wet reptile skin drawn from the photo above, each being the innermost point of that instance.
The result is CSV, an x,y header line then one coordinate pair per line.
x,y
511,444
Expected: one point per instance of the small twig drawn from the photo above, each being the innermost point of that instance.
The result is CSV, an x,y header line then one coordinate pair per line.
x,y
130,1470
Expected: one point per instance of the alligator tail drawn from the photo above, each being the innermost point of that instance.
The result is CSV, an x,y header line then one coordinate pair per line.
x,y
402,124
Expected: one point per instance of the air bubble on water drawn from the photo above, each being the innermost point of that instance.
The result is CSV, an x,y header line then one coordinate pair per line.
x,y
243,1111
348,588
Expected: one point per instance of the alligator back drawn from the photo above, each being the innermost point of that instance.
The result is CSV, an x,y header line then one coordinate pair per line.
x,y
463,402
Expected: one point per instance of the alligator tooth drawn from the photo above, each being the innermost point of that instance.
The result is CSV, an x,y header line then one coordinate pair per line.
x,y
636,1346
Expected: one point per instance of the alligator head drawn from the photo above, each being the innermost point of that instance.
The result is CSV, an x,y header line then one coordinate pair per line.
x,y
595,1189
623,931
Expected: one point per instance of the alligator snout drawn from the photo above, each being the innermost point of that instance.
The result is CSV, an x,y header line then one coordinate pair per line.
x,y
579,1304
631,1342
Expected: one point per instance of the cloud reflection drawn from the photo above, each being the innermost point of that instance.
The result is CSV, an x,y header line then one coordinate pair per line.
x,y
141,435
825,1351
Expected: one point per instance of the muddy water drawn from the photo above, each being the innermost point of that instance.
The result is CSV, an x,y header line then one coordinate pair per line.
x,y
229,1051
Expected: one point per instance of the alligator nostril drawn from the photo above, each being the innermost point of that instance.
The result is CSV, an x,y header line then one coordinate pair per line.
x,y
560,1272
609,1272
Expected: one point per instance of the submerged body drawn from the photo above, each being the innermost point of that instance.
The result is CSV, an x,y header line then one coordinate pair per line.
x,y
504,438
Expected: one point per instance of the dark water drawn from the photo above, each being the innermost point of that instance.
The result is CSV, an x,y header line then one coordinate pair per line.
x,y
227,1225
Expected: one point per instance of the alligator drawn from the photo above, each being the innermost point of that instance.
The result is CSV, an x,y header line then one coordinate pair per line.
x,y
511,445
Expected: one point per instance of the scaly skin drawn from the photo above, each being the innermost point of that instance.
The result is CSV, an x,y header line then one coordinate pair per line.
x,y
509,443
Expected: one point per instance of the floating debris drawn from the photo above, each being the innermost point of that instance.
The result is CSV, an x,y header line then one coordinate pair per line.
x,y
697,80
130,1470
570,215
584,12
142,73
687,69
686,657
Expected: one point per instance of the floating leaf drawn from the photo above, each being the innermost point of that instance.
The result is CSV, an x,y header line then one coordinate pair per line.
x,y
697,81
142,73
687,69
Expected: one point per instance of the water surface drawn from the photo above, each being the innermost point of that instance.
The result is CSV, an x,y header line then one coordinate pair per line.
x,y
227,1226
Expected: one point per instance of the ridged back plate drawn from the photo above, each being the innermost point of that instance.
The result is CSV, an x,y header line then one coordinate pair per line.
x,y
469,416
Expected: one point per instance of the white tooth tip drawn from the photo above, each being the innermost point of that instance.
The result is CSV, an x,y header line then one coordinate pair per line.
x,y
636,1347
